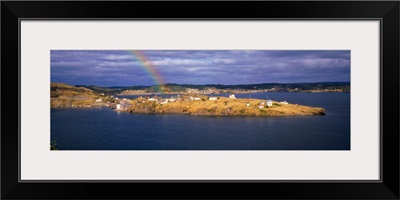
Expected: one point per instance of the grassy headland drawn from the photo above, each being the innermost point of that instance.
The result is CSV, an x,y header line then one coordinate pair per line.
x,y
63,95
224,106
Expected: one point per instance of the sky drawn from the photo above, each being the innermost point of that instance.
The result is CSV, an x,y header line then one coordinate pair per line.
x,y
152,67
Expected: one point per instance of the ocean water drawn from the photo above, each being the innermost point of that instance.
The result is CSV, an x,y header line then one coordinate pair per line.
x,y
106,129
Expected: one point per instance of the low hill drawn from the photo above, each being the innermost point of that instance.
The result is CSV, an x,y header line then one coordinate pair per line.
x,y
225,106
167,88
112,90
63,95
181,88
58,89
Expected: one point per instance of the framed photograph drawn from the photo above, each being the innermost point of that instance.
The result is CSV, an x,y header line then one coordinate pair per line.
x,y
290,96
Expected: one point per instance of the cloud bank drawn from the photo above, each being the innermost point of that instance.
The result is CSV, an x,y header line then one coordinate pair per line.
x,y
123,68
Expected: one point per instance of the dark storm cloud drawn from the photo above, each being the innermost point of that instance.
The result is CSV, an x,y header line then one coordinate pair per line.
x,y
119,67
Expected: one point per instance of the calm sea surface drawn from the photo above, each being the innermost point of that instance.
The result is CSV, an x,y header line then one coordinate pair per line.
x,y
106,129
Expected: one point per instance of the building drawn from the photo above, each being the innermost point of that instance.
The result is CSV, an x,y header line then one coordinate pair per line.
x,y
212,98
284,102
232,96
164,101
269,102
118,106
99,100
261,105
152,99
174,97
194,98
247,104
190,90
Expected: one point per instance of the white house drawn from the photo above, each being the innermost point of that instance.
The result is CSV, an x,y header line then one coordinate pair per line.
x,y
284,102
98,100
269,102
152,99
118,106
164,101
247,104
196,98
232,96
212,98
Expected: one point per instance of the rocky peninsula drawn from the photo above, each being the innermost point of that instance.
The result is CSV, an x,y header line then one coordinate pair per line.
x,y
223,106
66,96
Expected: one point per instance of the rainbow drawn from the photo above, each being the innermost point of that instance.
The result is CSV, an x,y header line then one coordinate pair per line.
x,y
148,66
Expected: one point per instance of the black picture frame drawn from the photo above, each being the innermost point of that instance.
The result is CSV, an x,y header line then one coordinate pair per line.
x,y
386,11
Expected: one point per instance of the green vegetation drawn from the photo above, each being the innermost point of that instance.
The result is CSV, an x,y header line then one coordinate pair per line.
x,y
167,88
53,145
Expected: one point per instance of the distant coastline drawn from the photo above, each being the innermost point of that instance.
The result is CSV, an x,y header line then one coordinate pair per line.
x,y
171,88
129,93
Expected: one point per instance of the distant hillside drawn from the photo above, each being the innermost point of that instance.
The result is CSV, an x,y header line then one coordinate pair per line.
x,y
59,89
277,87
63,95
166,88
113,89
284,86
